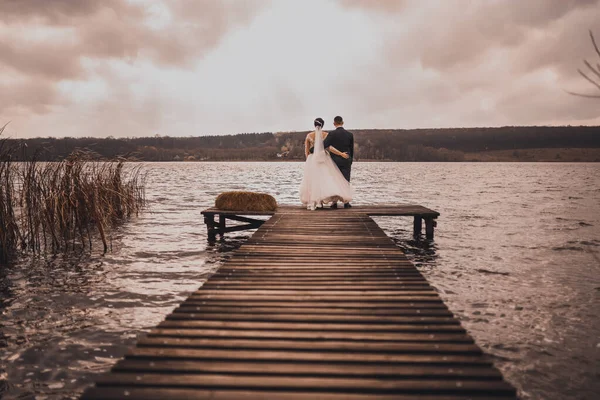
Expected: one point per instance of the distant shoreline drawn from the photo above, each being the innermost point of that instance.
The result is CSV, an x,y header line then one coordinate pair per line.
x,y
382,161
506,144
507,161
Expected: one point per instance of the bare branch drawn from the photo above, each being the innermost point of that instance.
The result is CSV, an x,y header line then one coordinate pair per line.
x,y
589,96
591,67
595,71
594,43
589,79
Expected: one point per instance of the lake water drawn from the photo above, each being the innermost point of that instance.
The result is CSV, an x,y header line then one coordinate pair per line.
x,y
516,257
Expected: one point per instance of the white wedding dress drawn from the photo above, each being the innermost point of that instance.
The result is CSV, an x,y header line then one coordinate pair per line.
x,y
322,181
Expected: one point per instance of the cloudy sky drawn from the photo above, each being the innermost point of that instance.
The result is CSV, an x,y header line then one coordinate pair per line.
x,y
197,67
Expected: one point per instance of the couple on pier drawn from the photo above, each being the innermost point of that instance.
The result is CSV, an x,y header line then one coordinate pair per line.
x,y
328,164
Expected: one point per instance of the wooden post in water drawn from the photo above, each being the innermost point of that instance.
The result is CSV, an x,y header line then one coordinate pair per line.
x,y
222,225
429,225
209,220
417,226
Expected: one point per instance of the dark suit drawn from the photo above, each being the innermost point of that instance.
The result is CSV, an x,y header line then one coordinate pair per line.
x,y
342,140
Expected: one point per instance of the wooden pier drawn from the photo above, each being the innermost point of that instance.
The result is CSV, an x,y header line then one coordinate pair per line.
x,y
315,305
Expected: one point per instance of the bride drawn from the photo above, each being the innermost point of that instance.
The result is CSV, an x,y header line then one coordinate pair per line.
x,y
322,181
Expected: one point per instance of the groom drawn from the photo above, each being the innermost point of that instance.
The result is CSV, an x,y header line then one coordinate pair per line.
x,y
342,140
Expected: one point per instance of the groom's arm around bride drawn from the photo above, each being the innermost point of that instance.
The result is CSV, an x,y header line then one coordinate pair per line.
x,y
342,140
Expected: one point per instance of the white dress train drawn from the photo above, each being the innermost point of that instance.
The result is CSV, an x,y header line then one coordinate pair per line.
x,y
322,181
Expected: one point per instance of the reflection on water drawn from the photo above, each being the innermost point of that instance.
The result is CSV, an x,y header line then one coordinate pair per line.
x,y
516,257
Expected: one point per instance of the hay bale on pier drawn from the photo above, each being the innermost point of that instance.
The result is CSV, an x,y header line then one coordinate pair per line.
x,y
245,201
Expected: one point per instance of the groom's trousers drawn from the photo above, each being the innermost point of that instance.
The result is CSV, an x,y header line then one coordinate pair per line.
x,y
345,170
344,165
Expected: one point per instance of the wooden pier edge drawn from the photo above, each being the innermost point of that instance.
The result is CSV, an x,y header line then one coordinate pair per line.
x,y
315,305
419,214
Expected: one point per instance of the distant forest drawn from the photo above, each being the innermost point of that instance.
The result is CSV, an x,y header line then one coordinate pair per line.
x,y
565,143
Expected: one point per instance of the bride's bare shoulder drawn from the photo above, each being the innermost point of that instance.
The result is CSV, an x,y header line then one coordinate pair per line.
x,y
325,134
311,135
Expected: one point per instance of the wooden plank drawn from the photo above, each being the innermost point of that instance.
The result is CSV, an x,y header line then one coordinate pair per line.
x,y
336,287
314,257
287,368
370,266
315,326
140,393
355,384
274,299
348,261
432,303
328,318
373,257
288,267
392,284
339,279
294,275
306,356
312,345
324,273
381,301
341,297
320,251
314,280
451,337
398,311
364,293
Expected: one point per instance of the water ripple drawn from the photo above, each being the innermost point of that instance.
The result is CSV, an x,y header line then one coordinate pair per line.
x,y
515,258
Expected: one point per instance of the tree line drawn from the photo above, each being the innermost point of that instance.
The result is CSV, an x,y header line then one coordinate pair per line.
x,y
370,144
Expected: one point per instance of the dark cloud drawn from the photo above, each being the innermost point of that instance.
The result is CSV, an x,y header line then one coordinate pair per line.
x,y
132,67
61,12
459,32
507,61
104,30
376,5
50,61
32,96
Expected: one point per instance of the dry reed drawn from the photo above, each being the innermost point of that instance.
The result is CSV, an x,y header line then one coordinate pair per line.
x,y
9,230
245,201
62,206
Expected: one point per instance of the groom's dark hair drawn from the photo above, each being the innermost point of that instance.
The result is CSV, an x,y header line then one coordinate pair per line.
x,y
338,120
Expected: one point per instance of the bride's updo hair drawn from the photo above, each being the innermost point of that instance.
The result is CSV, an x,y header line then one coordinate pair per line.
x,y
319,122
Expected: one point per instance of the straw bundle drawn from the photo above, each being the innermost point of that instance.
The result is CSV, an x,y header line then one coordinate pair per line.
x,y
245,201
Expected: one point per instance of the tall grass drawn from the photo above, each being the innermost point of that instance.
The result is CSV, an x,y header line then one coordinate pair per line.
x,y
9,229
63,206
